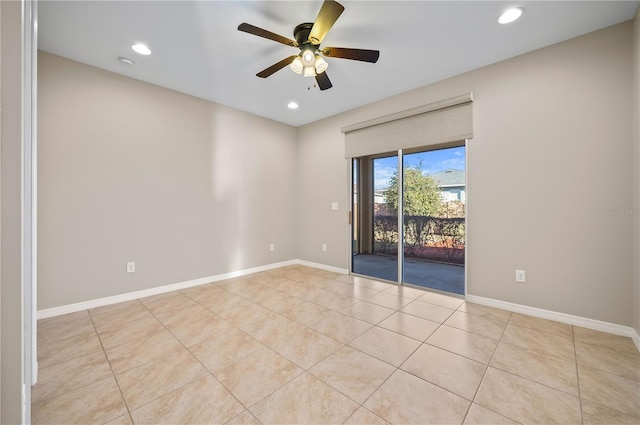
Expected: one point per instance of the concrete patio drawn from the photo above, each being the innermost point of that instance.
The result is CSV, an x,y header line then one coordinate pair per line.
x,y
443,277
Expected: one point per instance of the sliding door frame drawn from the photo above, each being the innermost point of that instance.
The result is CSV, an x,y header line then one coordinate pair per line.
x,y
400,217
401,232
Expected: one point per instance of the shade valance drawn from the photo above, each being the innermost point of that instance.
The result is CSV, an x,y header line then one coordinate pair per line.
x,y
441,122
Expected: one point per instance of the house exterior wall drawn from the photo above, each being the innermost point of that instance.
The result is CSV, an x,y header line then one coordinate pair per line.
x,y
564,110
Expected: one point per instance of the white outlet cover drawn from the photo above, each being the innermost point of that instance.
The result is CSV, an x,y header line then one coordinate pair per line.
x,y
520,276
334,206
131,267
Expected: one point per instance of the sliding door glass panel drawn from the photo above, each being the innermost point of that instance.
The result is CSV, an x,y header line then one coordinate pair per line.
x,y
375,237
434,224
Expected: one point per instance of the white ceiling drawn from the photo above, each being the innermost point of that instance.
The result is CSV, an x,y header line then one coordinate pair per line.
x,y
198,50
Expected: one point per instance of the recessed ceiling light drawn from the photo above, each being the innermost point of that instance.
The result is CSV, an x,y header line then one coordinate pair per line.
x,y
510,15
125,61
292,105
141,49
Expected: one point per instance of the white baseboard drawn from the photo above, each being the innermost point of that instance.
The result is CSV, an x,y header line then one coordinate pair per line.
x,y
584,322
100,302
518,308
322,267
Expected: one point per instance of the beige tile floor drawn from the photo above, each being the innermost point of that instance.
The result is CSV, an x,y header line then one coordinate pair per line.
x,y
298,345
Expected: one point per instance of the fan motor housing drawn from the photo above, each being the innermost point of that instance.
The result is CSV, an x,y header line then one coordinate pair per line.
x,y
301,34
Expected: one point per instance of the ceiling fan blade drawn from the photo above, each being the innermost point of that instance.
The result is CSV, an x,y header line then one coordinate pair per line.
x,y
251,29
323,81
328,15
276,67
354,54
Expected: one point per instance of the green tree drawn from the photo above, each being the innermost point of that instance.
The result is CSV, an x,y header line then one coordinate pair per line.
x,y
421,193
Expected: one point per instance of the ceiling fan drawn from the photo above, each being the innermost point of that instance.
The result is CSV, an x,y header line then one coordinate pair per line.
x,y
308,37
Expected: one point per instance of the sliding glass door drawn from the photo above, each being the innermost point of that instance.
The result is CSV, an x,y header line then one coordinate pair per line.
x,y
375,224
426,201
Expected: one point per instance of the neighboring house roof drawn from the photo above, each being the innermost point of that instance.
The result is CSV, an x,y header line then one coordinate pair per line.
x,y
449,178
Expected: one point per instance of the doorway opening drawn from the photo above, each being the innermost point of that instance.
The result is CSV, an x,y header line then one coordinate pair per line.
x,y
426,201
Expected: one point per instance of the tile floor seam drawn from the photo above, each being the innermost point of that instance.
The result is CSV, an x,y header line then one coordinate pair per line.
x,y
71,389
76,356
276,389
462,355
540,330
396,369
174,335
338,390
488,365
491,410
580,401
124,400
368,354
210,373
475,395
534,381
535,352
606,371
129,410
471,401
246,408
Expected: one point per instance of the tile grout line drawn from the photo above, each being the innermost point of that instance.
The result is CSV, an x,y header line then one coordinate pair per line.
x,y
124,400
575,353
183,346
397,368
197,360
247,408
473,401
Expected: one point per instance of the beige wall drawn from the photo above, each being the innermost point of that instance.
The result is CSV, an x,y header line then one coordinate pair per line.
x,y
636,168
551,155
188,189
10,216
129,171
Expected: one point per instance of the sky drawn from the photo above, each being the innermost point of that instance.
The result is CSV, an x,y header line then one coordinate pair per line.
x,y
432,162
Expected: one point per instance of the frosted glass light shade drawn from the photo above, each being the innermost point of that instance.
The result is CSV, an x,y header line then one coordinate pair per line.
x,y
321,64
308,57
309,71
296,66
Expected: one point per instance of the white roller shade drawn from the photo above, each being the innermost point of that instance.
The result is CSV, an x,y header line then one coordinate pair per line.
x,y
446,121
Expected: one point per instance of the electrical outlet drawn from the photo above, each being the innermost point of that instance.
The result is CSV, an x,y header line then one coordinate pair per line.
x,y
272,247
520,276
324,247
131,267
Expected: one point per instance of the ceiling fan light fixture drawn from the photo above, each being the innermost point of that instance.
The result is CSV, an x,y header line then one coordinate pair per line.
x,y
310,60
510,15
309,71
296,66
321,65
308,57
